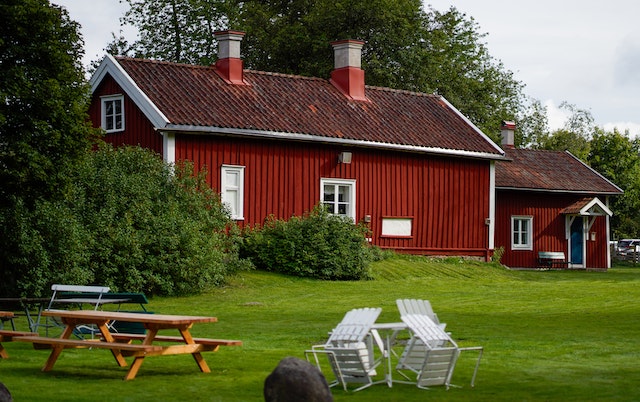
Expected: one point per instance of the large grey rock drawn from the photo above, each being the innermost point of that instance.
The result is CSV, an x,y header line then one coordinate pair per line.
x,y
5,395
296,380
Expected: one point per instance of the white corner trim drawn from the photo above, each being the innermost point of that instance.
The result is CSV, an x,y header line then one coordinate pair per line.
x,y
110,65
492,204
169,147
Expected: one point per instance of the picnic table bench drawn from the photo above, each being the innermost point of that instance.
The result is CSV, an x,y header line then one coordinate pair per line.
x,y
120,344
7,335
551,259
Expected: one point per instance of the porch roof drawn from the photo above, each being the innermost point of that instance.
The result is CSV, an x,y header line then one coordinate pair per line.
x,y
588,207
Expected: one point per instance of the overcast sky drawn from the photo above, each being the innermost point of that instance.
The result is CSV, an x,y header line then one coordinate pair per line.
x,y
585,52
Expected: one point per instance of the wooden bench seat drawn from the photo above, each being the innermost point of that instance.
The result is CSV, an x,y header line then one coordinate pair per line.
x,y
7,336
38,341
551,259
121,337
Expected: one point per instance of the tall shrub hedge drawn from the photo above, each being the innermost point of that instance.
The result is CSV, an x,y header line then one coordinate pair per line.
x,y
317,245
131,222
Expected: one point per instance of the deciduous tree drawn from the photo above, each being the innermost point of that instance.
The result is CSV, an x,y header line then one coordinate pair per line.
x,y
406,46
617,157
43,120
43,123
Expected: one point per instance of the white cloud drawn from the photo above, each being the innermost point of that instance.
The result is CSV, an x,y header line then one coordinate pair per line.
x,y
555,116
627,59
633,128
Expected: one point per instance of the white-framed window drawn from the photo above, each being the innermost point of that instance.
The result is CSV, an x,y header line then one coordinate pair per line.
x,y
113,113
232,190
339,196
522,232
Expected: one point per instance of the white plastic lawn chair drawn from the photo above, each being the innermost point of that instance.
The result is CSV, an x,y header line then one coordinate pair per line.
x,y
349,349
431,354
418,306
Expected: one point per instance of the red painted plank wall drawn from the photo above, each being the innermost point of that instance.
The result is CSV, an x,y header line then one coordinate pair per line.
x,y
597,250
548,227
448,198
138,129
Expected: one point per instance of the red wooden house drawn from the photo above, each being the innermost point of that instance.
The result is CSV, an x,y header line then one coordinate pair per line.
x,y
549,201
408,164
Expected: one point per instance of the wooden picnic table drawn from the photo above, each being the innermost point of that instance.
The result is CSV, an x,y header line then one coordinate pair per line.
x,y
122,345
8,335
4,315
27,304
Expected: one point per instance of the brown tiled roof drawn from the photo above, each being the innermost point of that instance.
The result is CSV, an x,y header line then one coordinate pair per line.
x,y
577,206
196,96
550,171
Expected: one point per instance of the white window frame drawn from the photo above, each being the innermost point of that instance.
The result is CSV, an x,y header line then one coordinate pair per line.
x,y
103,104
351,203
237,210
516,228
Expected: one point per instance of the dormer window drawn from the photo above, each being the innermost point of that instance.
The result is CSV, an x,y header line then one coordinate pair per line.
x,y
113,113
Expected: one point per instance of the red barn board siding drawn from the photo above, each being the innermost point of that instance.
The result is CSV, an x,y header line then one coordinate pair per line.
x,y
138,129
549,227
597,250
447,198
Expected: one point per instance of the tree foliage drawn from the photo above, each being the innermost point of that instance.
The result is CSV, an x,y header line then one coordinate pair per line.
x,y
176,30
44,128
406,46
533,124
130,222
616,156
43,120
574,136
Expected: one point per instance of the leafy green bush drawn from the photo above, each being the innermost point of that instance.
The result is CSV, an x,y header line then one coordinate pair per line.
x,y
316,245
130,222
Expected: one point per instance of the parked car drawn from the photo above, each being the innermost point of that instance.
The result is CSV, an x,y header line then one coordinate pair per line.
x,y
626,248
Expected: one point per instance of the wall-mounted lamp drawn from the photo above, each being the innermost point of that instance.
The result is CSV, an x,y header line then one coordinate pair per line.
x,y
344,157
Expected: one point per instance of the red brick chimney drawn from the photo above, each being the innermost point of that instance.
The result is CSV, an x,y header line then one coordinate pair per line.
x,y
508,129
229,65
347,75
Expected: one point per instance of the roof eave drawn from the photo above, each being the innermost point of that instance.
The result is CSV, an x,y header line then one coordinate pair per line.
x,y
547,190
466,120
328,140
595,172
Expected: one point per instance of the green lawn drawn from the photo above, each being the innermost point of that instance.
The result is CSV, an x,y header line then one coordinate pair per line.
x,y
548,336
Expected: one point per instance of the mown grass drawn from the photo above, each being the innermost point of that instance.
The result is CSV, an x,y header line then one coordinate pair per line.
x,y
548,336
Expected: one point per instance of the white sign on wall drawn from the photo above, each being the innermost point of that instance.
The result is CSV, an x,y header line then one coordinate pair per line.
x,y
397,226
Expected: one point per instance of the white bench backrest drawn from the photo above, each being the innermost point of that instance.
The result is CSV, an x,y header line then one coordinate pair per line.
x,y
552,255
100,290
80,288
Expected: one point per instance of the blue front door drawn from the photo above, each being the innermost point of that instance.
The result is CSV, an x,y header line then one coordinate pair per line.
x,y
577,240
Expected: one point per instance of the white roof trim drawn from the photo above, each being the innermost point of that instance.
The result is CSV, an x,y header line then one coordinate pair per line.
x,y
559,191
110,65
594,171
327,140
590,208
486,137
